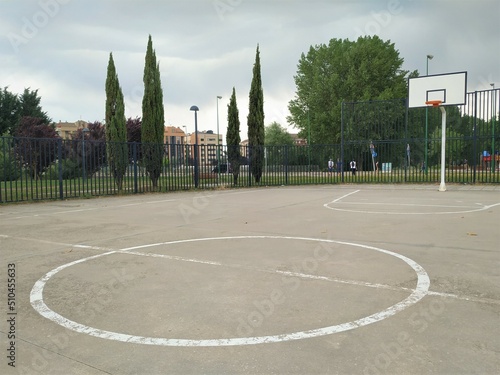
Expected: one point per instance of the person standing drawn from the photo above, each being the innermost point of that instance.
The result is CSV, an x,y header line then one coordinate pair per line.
x,y
339,166
352,165
330,165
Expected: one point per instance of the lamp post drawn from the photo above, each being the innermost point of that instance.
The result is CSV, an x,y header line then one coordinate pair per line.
x,y
493,118
84,166
429,57
218,147
196,166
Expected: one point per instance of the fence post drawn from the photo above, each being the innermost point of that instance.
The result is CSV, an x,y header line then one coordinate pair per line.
x,y
249,153
286,164
474,140
342,140
60,171
134,160
408,150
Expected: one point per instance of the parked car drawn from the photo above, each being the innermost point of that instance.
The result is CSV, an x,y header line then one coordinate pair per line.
x,y
223,169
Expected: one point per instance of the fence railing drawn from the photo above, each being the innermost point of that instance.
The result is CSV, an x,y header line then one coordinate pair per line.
x,y
387,142
42,169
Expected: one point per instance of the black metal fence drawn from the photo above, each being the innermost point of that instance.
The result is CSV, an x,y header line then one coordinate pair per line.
x,y
388,142
386,137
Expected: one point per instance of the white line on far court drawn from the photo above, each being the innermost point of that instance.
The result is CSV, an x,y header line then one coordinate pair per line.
x,y
342,197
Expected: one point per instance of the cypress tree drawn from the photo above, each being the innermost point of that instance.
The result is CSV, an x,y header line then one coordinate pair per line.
x,y
233,137
116,131
153,117
255,121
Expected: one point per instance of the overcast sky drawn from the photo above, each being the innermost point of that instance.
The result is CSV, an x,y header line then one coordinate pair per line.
x,y
205,47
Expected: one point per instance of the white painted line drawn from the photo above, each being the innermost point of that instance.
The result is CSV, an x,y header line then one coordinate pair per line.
x,y
327,205
173,257
421,289
403,204
342,281
78,246
312,277
91,209
342,197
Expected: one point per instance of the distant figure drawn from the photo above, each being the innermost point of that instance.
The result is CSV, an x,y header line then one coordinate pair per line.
x,y
423,166
352,165
330,165
376,166
339,166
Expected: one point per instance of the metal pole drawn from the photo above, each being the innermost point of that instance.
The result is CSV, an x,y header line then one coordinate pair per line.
x,y
196,166
429,57
309,137
218,147
342,141
442,187
84,130
493,118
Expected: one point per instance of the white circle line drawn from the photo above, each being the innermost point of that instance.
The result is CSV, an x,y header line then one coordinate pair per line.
x,y
327,205
421,289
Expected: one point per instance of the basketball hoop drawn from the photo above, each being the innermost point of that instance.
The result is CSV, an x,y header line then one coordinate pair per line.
x,y
434,103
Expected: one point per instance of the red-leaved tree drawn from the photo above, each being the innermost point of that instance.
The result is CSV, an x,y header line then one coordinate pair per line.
x,y
35,145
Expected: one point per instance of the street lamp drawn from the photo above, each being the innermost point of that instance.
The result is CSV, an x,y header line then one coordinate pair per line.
x,y
196,166
429,57
84,166
218,147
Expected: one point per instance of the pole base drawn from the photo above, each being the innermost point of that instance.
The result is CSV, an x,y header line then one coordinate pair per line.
x,y
442,187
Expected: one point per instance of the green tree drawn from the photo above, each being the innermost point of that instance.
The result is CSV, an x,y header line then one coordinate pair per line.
x,y
9,111
255,121
153,117
95,148
10,168
233,136
13,107
277,135
454,150
30,106
116,131
343,70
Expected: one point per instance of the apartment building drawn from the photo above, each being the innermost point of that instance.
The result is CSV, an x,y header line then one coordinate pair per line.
x,y
207,142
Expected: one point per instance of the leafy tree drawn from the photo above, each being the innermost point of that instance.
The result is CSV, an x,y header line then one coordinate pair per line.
x,y
13,107
30,106
36,145
134,138
255,121
233,136
9,167
95,147
116,131
9,111
276,135
153,118
455,146
134,129
343,70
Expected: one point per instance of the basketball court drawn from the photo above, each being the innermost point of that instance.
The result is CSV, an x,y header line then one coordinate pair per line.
x,y
351,279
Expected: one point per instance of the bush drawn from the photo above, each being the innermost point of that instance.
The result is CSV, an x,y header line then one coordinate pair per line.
x,y
70,169
9,170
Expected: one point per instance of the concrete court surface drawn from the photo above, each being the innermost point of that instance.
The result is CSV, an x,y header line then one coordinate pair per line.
x,y
351,279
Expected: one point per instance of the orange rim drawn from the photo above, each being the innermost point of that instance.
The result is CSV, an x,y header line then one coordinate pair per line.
x,y
434,103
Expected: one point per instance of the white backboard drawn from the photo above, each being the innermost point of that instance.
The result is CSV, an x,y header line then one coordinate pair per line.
x,y
450,88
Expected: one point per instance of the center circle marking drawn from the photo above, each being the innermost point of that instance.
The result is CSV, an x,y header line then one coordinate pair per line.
x,y
421,289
